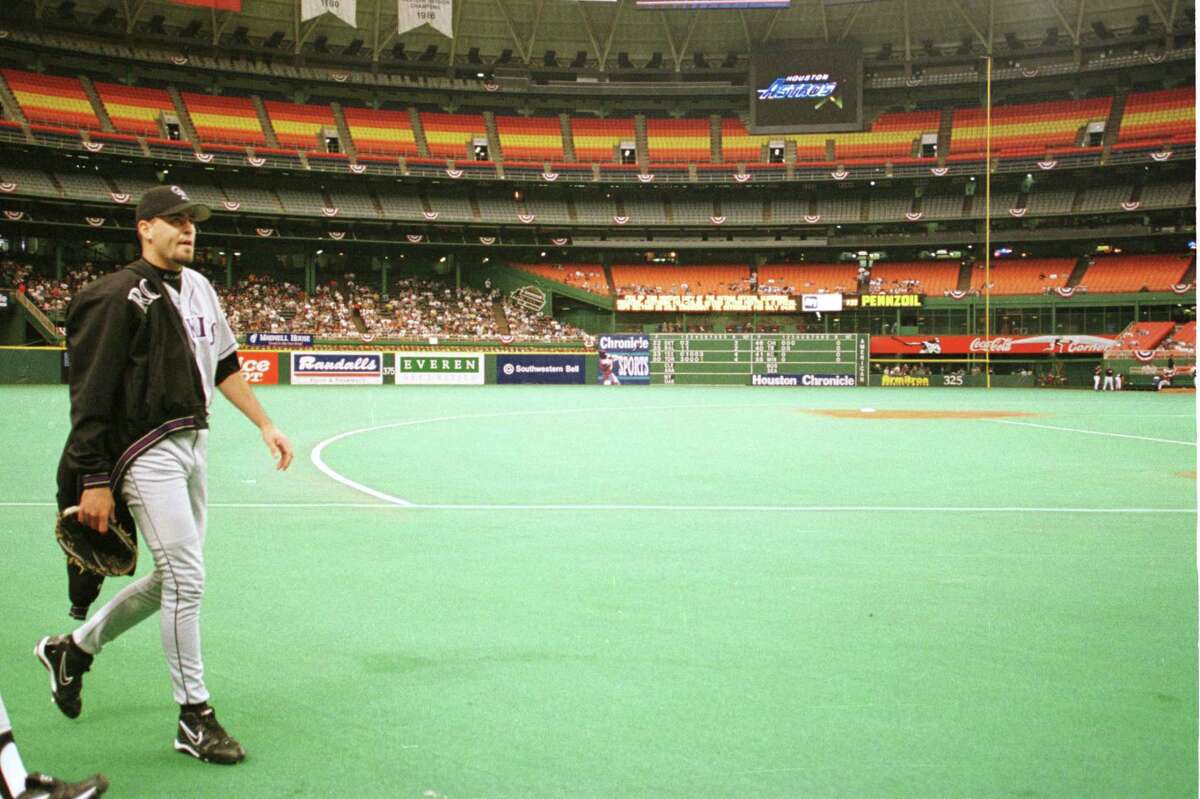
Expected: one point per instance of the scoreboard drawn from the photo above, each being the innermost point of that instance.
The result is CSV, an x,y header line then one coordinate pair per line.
x,y
760,359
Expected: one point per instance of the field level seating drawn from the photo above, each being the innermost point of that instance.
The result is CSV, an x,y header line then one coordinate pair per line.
x,y
722,279
915,277
1130,273
1026,276
589,277
809,278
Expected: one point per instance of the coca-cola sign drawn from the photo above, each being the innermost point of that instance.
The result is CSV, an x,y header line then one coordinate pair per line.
x,y
997,345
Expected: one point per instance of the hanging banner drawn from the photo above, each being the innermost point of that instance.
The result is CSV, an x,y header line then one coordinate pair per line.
x,y
342,9
436,13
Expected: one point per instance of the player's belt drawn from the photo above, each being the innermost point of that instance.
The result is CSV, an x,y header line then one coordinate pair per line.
x,y
145,442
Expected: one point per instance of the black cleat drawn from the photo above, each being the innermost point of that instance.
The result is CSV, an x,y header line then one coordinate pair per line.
x,y
66,663
202,736
46,787
78,612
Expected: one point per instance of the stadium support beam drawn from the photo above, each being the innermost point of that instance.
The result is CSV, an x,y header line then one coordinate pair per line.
x,y
746,31
824,21
132,16
219,23
907,36
537,21
1079,17
687,40
1162,15
512,31
454,26
39,9
962,12
591,34
850,22
611,33
766,37
380,44
1063,19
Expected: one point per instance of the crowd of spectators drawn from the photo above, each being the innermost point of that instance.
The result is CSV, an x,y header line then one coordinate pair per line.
x,y
338,308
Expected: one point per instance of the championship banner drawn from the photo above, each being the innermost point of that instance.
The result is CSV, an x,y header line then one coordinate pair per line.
x,y
977,345
439,368
342,9
219,5
436,13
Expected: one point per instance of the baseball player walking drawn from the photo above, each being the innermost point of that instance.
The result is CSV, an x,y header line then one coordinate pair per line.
x,y
148,344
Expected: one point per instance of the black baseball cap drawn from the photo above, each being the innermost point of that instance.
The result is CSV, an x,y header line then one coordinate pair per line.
x,y
170,200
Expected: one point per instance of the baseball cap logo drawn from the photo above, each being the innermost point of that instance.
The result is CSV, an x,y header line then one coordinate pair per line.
x,y
180,192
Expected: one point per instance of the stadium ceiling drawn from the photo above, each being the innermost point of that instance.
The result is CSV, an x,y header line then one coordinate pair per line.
x,y
603,30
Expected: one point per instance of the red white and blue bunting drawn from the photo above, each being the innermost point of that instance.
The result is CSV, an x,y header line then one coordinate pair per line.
x,y
120,197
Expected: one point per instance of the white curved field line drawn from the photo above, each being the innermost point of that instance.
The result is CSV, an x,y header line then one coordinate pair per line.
x,y
1092,432
399,502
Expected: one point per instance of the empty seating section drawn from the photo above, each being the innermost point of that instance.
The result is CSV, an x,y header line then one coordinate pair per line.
x,y
839,209
1168,195
300,126
498,209
739,145
742,212
808,278
301,202
678,140
596,140
51,100
1160,117
942,204
589,277
1041,203
697,280
1106,199
84,184
594,210
450,135
1028,128
1129,273
253,198
449,207
914,277
530,138
891,136
548,209
648,210
691,211
1026,276
29,181
231,120
1185,335
883,207
208,194
788,209
381,132
1144,335
407,205
135,110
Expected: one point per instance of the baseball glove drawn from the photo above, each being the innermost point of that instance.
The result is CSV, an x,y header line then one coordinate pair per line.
x,y
112,554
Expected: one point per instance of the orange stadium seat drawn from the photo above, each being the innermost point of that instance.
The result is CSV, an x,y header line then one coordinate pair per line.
x,y
450,135
299,125
1160,117
224,119
1130,273
1144,335
598,139
52,100
381,132
589,277
809,278
1026,276
133,109
1186,335
722,279
678,140
1025,129
915,277
530,138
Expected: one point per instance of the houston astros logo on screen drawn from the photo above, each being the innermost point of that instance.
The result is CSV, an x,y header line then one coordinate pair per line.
x,y
800,87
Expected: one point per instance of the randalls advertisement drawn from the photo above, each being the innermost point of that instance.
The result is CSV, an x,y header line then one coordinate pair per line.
x,y
337,368
630,359
440,368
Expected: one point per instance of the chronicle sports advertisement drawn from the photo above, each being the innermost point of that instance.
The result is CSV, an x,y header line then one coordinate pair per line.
x,y
803,380
797,87
631,358
337,368
441,368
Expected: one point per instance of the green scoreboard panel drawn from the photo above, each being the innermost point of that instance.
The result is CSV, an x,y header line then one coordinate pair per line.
x,y
766,359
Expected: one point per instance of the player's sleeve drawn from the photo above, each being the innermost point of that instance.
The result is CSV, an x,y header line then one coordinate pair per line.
x,y
225,342
100,326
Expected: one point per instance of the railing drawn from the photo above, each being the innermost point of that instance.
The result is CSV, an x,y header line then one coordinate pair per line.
x,y
50,331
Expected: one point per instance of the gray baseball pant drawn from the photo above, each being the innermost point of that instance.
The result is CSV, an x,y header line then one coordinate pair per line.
x,y
166,489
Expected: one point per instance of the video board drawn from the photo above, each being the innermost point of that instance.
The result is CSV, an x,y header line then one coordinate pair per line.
x,y
805,88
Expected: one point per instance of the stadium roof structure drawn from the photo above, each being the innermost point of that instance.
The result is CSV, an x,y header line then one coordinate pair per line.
x,y
594,33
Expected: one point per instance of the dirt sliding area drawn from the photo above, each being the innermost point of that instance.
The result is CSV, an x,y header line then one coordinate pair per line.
x,y
871,413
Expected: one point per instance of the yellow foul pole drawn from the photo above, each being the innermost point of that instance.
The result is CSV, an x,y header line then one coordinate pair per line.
x,y
987,233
